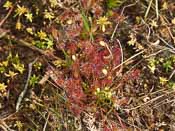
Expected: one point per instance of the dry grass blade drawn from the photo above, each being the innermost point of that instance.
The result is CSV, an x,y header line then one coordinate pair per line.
x,y
148,9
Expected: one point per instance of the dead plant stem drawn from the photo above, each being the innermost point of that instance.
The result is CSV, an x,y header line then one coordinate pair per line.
x,y
21,96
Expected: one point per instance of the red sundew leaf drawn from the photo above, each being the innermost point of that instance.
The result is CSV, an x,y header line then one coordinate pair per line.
x,y
76,69
60,81
117,17
96,83
72,23
104,54
94,6
75,95
97,70
73,31
135,74
107,128
86,69
71,48
87,48
87,4
93,67
56,76
61,46
99,63
77,108
74,90
97,9
120,120
122,101
107,81
95,61
70,15
116,56
114,127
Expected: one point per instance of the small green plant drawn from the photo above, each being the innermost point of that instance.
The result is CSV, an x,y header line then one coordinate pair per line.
x,y
11,61
53,3
17,64
2,69
11,74
38,65
152,63
29,16
19,67
104,96
167,65
45,42
3,65
171,85
33,80
19,125
163,80
59,63
134,42
21,10
103,22
30,31
41,34
49,15
8,5
2,87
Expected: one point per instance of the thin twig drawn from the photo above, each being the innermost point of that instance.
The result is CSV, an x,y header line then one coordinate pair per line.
x,y
26,85
149,30
45,125
156,53
132,57
28,45
149,102
157,9
154,93
172,37
6,17
3,32
166,43
168,28
4,128
122,56
115,29
110,52
158,104
173,72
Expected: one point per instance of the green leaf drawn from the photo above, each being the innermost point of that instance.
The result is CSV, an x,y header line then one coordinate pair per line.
x,y
87,25
68,59
85,22
114,3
